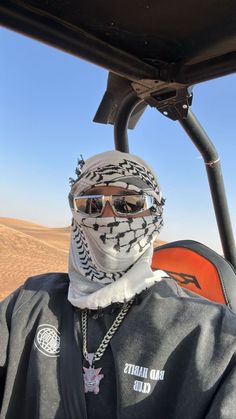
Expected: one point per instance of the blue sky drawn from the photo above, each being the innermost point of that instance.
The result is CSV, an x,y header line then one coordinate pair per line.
x,y
47,102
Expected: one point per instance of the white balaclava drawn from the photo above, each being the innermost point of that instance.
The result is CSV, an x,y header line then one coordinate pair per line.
x,y
104,249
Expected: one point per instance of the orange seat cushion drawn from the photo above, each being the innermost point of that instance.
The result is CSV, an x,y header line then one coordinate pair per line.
x,y
191,271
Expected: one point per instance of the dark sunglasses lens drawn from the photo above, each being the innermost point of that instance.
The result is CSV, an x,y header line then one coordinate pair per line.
x,y
92,206
129,204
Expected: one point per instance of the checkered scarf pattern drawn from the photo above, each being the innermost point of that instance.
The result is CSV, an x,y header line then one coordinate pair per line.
x,y
103,249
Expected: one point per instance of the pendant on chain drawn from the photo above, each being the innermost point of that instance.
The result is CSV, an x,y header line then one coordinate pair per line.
x,y
92,376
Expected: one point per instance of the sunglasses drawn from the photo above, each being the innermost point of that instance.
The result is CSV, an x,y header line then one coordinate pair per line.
x,y
122,205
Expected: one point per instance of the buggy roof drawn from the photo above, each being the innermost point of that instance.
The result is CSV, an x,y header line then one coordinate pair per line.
x,y
182,41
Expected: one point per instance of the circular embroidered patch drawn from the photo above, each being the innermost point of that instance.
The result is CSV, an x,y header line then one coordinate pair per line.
x,y
47,340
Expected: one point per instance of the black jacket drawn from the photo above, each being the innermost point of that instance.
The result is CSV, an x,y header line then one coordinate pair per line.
x,y
173,356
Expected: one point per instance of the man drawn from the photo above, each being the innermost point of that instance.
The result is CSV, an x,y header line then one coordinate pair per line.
x,y
113,339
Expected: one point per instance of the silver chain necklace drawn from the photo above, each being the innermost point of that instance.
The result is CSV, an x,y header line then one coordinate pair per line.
x,y
92,376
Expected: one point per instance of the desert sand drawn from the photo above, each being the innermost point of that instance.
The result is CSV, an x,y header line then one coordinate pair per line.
x,y
28,249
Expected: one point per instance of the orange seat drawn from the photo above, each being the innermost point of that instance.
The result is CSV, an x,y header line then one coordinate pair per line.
x,y
196,267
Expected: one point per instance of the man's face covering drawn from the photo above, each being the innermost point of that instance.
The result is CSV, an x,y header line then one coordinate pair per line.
x,y
104,248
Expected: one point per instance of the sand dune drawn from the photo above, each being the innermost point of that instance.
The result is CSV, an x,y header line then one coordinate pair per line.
x,y
58,237
28,249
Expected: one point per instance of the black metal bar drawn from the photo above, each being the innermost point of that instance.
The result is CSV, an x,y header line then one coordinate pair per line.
x,y
53,31
215,178
122,120
70,38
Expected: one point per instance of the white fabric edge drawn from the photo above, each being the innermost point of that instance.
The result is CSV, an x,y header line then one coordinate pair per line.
x,y
139,278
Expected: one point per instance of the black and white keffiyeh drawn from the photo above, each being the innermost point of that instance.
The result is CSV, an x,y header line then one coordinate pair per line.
x,y
104,249
114,168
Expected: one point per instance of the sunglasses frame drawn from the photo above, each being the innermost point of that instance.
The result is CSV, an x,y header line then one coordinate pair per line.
x,y
109,198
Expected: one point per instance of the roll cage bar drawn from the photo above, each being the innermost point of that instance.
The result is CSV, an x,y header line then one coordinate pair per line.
x,y
154,55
